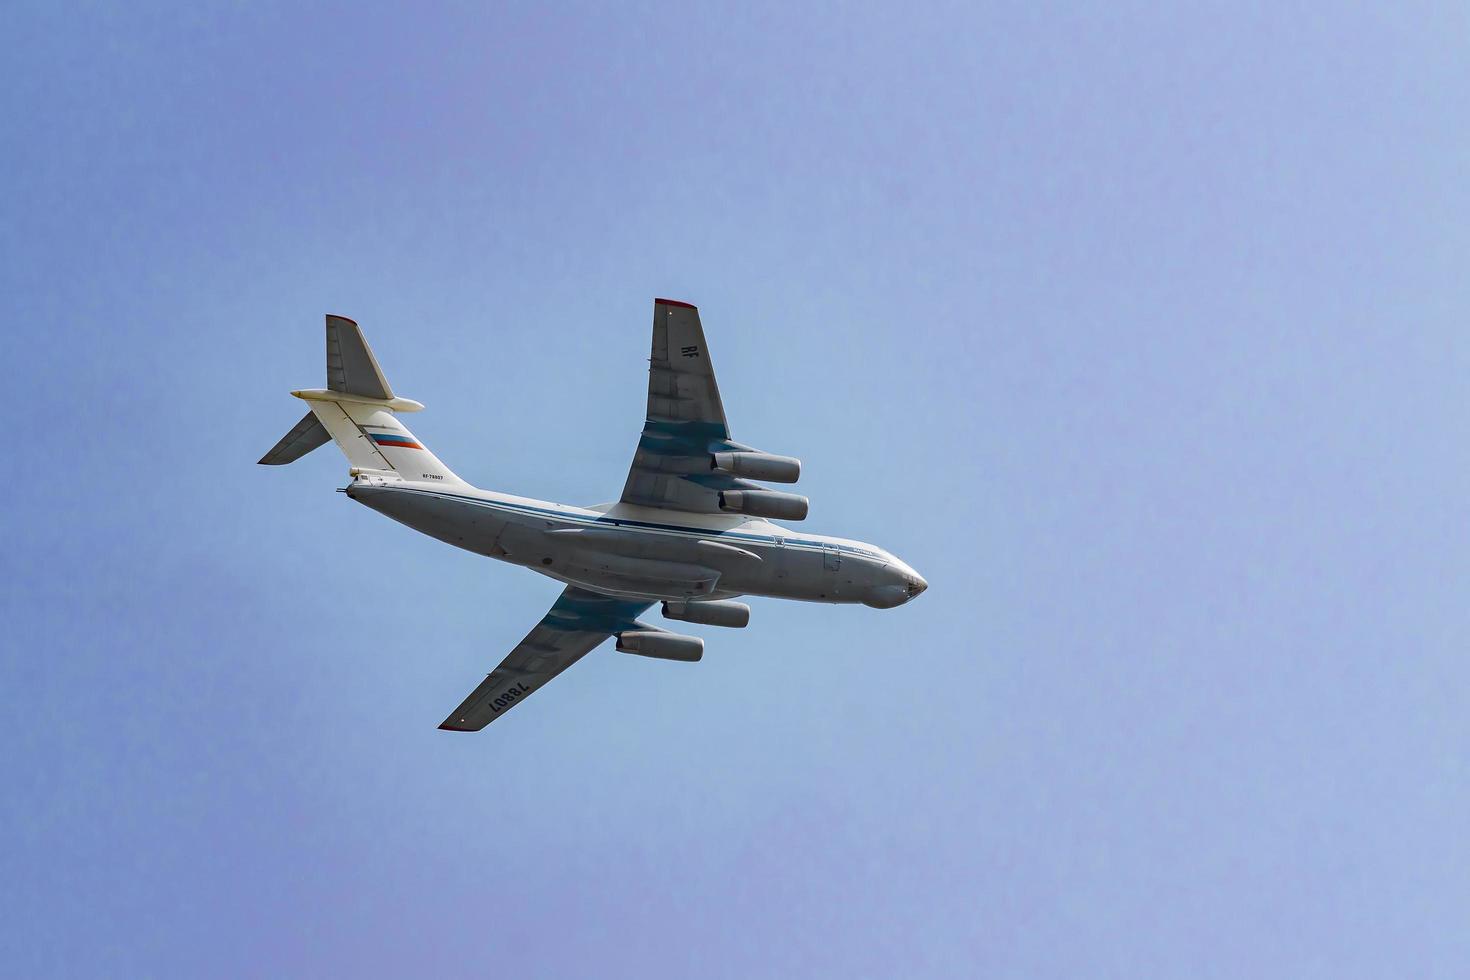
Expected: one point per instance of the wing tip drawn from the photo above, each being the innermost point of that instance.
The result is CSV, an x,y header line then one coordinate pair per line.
x,y
448,725
675,302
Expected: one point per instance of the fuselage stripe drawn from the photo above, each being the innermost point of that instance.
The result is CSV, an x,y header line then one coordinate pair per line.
x,y
801,544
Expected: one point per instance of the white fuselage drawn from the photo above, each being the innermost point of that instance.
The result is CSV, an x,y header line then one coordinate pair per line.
x,y
647,553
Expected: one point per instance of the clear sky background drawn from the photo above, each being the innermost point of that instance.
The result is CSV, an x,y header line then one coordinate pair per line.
x,y
1140,332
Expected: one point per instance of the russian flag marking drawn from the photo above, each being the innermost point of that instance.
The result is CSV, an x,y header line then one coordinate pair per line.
x,y
394,439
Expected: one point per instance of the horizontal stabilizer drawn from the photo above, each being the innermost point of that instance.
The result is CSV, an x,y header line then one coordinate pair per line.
x,y
305,436
351,367
357,410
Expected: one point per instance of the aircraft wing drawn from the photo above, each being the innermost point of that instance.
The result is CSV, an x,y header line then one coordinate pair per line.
x,y
578,621
685,422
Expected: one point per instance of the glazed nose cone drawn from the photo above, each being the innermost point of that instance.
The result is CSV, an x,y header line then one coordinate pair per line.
x,y
917,585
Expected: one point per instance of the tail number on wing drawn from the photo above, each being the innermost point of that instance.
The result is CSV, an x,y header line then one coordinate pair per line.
x,y
510,697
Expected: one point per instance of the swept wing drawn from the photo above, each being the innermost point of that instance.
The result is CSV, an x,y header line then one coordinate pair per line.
x,y
578,621
685,421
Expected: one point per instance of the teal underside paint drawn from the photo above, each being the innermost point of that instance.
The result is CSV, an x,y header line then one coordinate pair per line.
x,y
578,610
684,438
692,440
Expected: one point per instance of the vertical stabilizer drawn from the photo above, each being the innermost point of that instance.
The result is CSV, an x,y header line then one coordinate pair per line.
x,y
371,437
357,410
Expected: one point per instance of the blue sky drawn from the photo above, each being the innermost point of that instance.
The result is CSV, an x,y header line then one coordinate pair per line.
x,y
1139,332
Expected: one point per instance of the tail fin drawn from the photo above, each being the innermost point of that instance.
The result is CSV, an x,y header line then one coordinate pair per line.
x,y
356,410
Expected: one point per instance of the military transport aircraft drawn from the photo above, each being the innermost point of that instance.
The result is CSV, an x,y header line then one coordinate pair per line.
x,y
691,529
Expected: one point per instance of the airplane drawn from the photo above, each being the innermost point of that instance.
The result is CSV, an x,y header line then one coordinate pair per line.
x,y
692,529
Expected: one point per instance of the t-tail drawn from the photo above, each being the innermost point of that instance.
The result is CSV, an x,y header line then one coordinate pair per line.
x,y
358,410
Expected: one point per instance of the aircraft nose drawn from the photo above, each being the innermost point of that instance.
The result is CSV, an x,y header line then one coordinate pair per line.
x,y
909,580
916,585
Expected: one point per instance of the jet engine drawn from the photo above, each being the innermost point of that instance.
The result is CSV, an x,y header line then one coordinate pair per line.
x,y
758,466
765,503
711,613
661,645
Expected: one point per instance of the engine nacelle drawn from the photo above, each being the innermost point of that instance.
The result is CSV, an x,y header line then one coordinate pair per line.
x,y
758,466
711,613
661,646
765,503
